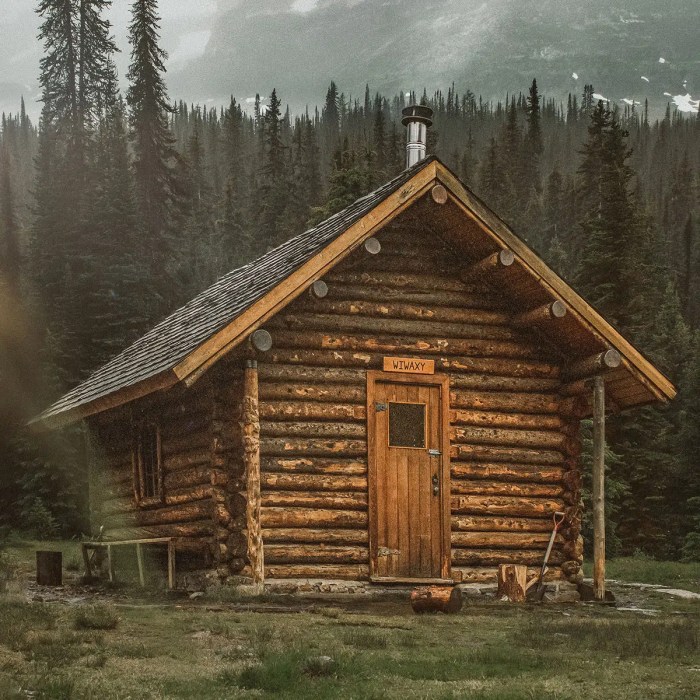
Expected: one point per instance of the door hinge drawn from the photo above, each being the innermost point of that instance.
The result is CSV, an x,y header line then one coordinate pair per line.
x,y
386,552
379,407
434,453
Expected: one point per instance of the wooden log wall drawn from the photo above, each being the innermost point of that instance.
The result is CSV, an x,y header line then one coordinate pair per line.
x,y
192,509
514,451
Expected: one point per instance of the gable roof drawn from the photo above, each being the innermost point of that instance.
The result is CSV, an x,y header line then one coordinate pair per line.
x,y
185,344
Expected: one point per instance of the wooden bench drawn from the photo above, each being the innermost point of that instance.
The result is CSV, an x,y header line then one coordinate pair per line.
x,y
107,546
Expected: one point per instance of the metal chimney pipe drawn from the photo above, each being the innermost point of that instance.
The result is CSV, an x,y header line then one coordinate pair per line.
x,y
417,118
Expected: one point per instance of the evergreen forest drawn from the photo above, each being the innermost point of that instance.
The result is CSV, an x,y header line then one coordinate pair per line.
x,y
116,208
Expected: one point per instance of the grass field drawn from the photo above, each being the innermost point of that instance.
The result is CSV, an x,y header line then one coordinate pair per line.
x,y
209,648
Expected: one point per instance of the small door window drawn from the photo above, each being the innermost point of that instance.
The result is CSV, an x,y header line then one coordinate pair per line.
x,y
407,425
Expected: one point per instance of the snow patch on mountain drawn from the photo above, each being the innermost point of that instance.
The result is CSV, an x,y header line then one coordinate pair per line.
x,y
685,103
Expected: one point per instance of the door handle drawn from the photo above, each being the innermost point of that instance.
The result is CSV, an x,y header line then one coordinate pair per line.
x,y
436,485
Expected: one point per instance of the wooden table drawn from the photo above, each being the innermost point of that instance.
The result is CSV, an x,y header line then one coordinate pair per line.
x,y
107,545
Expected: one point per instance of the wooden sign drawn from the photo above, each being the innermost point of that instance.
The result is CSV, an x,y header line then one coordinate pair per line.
x,y
412,365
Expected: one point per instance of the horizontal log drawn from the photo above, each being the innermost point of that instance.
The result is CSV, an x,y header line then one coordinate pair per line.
x,y
476,435
425,281
346,572
503,540
182,513
324,501
502,367
312,447
185,442
312,410
478,523
314,535
186,460
433,599
505,488
337,429
317,465
312,482
183,478
489,382
515,455
408,311
477,574
493,557
400,264
313,517
541,315
187,494
495,419
594,364
321,375
505,505
201,529
400,344
334,393
395,327
502,471
381,293
515,402
316,553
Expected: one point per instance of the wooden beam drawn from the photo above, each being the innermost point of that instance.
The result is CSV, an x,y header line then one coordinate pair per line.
x,y
599,488
250,425
593,365
493,263
541,315
640,368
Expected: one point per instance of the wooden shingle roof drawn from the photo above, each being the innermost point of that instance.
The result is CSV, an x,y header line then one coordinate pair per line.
x,y
147,364
185,344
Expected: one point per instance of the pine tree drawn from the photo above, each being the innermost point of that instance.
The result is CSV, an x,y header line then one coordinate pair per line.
x,y
10,255
155,160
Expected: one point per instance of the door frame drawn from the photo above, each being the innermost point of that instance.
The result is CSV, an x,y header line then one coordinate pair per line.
x,y
443,382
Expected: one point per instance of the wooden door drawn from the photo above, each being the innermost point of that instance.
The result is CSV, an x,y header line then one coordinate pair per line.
x,y
408,477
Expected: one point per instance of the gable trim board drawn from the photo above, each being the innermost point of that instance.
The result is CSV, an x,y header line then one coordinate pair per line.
x,y
331,242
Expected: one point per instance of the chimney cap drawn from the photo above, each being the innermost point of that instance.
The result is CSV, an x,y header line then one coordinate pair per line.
x,y
417,113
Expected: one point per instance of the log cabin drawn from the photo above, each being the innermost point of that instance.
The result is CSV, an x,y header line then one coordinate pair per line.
x,y
392,396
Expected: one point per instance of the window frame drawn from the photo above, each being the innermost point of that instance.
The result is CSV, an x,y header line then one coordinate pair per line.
x,y
425,425
138,464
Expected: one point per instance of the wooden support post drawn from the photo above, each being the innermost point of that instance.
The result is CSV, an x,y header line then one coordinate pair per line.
x,y
110,565
599,487
171,565
251,460
86,560
139,562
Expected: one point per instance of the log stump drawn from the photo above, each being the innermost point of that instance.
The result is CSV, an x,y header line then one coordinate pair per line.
x,y
513,583
445,599
49,568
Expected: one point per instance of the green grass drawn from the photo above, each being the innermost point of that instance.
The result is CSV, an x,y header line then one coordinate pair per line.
x,y
95,617
361,651
641,569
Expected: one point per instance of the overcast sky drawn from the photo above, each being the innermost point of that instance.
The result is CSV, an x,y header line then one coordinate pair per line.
x,y
185,30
